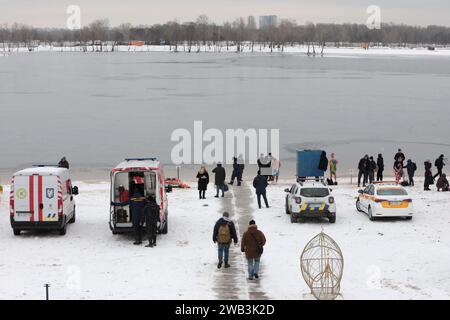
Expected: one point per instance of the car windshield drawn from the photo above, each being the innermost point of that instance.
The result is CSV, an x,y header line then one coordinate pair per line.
x,y
392,192
314,192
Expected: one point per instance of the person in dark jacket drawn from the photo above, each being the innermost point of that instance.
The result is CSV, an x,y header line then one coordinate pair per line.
x,y
400,156
151,214
223,234
260,185
363,170
241,164
202,182
411,168
380,166
236,174
323,162
372,169
429,180
252,244
63,163
137,203
439,163
442,183
219,179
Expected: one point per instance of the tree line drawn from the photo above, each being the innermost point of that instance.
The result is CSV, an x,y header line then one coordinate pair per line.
x,y
205,32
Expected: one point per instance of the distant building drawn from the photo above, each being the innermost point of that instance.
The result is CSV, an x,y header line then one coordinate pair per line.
x,y
267,21
251,22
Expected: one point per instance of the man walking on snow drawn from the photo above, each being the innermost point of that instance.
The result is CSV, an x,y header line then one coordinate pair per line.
x,y
219,179
260,185
224,233
252,244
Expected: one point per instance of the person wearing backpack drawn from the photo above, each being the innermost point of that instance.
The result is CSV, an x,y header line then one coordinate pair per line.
x,y
252,244
224,233
439,163
411,168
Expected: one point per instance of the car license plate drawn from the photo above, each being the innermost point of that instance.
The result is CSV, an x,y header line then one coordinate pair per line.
x,y
396,203
316,205
23,214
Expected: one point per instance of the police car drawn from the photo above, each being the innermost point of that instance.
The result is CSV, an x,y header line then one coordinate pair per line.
x,y
387,199
310,199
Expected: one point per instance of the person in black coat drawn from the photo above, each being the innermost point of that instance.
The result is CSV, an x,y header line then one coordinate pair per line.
x,y
372,169
429,180
400,157
219,179
137,203
323,162
203,180
63,163
260,185
363,170
380,166
411,168
236,172
151,214
439,163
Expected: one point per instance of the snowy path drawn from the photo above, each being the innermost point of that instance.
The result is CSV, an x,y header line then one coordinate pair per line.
x,y
232,283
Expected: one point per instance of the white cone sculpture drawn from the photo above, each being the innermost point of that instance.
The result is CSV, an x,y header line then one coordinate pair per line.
x,y
322,266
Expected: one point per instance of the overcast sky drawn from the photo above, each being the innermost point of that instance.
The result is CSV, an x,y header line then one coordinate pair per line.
x,y
52,13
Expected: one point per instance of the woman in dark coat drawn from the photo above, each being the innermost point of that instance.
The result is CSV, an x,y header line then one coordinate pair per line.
x,y
429,180
203,180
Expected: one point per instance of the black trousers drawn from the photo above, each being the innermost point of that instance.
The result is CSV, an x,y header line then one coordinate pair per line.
x,y
438,174
201,194
380,175
151,233
258,197
364,175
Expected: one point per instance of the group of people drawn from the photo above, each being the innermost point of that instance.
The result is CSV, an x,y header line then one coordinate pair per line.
x,y
269,166
252,244
368,168
260,182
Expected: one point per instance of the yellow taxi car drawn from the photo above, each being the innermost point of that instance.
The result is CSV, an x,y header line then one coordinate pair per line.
x,y
386,199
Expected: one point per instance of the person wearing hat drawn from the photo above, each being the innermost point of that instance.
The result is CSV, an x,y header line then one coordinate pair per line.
x,y
252,245
63,163
439,163
219,179
136,208
151,214
224,233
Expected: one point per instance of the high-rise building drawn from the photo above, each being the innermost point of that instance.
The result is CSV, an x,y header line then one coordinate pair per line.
x,y
251,22
267,21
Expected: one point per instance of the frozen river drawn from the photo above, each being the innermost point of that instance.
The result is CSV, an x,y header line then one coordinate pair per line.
x,y
97,109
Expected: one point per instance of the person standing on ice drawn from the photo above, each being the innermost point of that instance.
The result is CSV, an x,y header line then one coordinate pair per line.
x,y
429,180
400,156
363,170
241,164
411,168
442,183
219,179
333,167
398,171
63,163
276,165
223,234
260,185
252,244
202,182
236,172
372,169
380,166
439,163
151,214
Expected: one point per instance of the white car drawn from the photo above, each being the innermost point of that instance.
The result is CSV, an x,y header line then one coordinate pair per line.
x,y
310,200
385,200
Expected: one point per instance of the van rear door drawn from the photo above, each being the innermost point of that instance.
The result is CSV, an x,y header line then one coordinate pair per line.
x,y
48,204
24,195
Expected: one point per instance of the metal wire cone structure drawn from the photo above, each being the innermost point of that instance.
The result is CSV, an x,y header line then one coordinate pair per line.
x,y
322,265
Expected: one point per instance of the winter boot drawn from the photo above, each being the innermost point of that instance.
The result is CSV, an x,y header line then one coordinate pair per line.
x,y
227,265
219,265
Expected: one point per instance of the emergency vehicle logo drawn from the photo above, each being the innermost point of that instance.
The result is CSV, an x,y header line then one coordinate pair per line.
x,y
21,193
50,193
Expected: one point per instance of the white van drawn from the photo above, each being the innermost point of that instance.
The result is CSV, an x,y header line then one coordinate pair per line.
x,y
149,175
42,197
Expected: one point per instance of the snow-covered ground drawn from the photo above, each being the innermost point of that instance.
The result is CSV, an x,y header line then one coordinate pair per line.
x,y
391,259
296,49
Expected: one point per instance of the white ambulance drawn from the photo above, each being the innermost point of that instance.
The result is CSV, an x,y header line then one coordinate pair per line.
x,y
42,197
145,174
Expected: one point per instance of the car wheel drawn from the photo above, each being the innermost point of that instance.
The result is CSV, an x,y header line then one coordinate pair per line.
x,y
166,226
358,206
370,213
16,232
332,219
293,219
63,230
72,220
